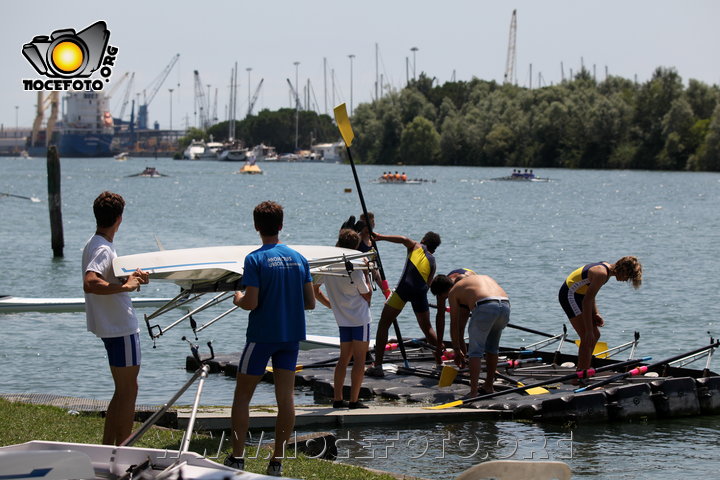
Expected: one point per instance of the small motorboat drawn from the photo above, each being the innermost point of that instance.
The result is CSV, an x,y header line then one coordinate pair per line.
x,y
121,157
149,172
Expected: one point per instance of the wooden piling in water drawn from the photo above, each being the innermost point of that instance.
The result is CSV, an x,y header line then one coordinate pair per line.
x,y
54,202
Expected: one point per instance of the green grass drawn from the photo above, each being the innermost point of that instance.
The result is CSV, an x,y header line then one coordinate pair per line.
x,y
23,422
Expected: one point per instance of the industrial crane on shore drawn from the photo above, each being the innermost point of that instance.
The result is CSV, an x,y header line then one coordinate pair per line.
x,y
511,61
255,97
201,105
153,89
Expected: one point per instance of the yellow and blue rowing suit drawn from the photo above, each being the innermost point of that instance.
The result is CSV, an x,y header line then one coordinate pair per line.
x,y
573,289
413,285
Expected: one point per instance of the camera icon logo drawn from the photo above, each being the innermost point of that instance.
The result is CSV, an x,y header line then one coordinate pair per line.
x,y
67,54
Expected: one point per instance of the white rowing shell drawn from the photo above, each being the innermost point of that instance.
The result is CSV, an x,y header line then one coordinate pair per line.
x,y
10,304
190,266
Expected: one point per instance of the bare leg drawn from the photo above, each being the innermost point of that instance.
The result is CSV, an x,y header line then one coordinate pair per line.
x,y
474,375
386,318
285,421
491,361
121,410
346,352
359,351
423,319
589,335
244,389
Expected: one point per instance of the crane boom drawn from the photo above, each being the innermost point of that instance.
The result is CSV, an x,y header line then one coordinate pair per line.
x,y
154,87
298,104
126,97
255,97
511,60
200,102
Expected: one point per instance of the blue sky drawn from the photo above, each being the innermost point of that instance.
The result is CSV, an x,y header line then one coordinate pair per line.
x,y
462,37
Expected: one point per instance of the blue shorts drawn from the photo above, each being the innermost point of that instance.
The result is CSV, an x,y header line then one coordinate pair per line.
x,y
361,333
255,357
123,351
485,327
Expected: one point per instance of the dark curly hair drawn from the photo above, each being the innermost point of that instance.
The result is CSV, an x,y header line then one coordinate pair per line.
x,y
268,218
441,285
431,240
107,208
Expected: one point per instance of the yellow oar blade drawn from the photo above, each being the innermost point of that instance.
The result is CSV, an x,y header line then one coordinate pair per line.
x,y
343,123
537,391
447,376
599,347
445,405
297,368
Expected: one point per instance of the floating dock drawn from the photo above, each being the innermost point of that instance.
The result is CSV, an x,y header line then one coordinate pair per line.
x,y
671,392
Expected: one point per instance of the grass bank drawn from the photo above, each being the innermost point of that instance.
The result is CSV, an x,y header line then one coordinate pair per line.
x,y
22,423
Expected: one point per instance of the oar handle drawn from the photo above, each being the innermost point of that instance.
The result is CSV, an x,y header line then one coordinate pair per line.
x,y
517,327
579,374
632,373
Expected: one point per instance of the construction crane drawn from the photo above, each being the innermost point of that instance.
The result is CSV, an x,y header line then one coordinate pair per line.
x,y
298,103
52,100
255,97
200,102
511,61
153,89
126,96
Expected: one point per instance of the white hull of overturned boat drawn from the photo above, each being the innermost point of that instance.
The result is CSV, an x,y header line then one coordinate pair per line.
x,y
61,460
10,304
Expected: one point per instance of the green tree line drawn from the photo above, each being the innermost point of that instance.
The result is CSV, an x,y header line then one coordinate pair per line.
x,y
581,123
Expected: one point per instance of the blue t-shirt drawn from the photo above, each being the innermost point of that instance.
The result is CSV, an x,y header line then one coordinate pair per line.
x,y
280,273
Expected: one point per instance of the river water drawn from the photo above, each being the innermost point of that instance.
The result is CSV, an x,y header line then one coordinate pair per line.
x,y
528,236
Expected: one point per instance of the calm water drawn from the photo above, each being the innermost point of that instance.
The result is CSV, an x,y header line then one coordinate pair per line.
x,y
528,236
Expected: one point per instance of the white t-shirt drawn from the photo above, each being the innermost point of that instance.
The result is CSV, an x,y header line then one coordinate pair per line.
x,y
107,315
348,306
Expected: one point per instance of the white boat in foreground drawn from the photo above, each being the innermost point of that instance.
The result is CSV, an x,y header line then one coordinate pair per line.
x,y
10,304
61,460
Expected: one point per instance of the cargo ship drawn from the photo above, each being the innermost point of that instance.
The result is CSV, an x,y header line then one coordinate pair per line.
x,y
87,126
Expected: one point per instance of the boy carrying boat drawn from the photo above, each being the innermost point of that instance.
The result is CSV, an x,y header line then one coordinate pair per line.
x,y
349,299
110,314
278,290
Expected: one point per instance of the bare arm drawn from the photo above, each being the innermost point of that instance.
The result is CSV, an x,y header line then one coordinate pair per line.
x,y
408,242
598,277
320,296
247,300
440,322
94,283
309,296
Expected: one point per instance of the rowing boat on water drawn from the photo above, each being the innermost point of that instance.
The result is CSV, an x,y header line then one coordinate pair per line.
x,y
10,304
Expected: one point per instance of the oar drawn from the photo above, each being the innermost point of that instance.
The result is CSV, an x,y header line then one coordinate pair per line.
x,y
600,350
330,362
517,327
448,374
530,391
32,199
643,369
571,376
343,123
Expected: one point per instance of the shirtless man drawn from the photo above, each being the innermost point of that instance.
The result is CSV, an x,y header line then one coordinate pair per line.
x,y
480,298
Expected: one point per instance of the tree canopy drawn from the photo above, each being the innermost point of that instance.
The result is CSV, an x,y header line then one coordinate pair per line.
x,y
580,123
